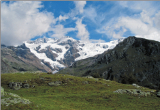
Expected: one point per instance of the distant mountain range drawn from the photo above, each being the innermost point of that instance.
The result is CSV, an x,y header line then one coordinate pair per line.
x,y
49,55
135,60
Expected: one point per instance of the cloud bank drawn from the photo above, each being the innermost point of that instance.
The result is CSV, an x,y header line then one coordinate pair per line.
x,y
21,21
145,24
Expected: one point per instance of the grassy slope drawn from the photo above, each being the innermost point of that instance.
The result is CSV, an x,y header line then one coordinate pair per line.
x,y
97,95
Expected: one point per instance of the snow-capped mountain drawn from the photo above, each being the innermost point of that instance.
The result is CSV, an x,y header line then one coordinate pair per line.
x,y
60,53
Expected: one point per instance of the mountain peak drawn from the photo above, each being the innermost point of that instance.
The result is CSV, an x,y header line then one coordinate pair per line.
x,y
135,60
60,53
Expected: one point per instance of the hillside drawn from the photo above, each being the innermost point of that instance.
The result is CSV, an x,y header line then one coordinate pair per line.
x,y
59,91
135,60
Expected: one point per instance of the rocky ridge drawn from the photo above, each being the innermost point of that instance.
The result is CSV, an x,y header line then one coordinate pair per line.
x,y
135,60
49,55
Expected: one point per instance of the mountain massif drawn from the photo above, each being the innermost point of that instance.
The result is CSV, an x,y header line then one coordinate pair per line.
x,y
130,60
49,55
135,60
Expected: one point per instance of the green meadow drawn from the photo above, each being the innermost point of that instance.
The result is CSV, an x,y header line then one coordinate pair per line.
x,y
75,93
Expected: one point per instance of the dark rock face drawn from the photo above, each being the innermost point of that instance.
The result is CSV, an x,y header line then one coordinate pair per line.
x,y
57,50
135,60
48,52
70,55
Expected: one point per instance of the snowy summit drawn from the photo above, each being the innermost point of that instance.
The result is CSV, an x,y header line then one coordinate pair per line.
x,y
61,53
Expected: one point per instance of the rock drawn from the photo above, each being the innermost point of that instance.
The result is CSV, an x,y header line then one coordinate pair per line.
x,y
25,85
8,101
25,81
85,82
13,95
55,83
41,79
15,85
135,85
13,99
2,92
135,92
18,85
147,93
158,94
89,77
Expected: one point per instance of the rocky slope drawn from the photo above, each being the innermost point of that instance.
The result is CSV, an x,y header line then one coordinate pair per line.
x,y
135,60
14,59
46,54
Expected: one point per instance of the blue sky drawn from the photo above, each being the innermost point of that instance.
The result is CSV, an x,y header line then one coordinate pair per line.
x,y
93,21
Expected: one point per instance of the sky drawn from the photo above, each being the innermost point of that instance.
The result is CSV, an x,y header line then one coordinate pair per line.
x,y
90,21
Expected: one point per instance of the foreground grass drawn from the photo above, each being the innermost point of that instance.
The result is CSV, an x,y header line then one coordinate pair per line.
x,y
74,95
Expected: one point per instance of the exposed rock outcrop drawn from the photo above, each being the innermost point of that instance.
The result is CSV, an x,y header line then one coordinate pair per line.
x,y
134,92
13,99
18,85
55,83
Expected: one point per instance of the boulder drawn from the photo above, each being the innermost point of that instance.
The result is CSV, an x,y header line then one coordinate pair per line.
x,y
55,83
135,92
135,85
33,86
85,82
18,85
15,85
89,77
158,94
25,85
14,100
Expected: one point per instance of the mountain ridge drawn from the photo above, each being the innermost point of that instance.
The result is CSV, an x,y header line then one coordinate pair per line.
x,y
50,54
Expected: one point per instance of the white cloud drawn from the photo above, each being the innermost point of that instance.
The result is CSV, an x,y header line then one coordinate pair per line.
x,y
90,13
146,18
135,6
112,29
60,31
21,21
80,5
63,18
83,34
157,20
146,24
137,26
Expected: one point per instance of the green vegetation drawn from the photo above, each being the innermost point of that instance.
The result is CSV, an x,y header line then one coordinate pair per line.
x,y
74,94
